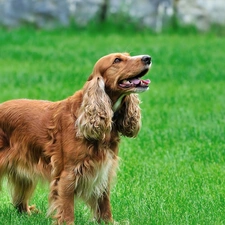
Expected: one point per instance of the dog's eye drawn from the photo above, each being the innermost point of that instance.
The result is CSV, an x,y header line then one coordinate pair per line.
x,y
117,60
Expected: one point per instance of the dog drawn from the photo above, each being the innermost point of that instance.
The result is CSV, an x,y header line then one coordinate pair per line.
x,y
73,143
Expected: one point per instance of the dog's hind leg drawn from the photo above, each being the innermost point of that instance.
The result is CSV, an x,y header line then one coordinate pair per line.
x,y
22,189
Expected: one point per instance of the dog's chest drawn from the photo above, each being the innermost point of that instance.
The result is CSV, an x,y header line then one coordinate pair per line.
x,y
93,177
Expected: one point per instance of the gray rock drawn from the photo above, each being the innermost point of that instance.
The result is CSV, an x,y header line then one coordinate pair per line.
x,y
41,13
150,13
201,13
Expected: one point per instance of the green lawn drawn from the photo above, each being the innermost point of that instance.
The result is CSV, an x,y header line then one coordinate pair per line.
x,y
173,173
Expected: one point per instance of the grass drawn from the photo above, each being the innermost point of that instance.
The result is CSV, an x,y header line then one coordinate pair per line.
x,y
173,173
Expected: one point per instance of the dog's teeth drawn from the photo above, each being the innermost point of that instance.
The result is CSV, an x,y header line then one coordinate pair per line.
x,y
126,82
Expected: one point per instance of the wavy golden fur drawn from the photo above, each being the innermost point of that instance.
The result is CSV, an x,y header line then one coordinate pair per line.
x,y
73,143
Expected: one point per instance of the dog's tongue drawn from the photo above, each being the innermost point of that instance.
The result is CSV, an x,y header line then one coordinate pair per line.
x,y
138,82
135,81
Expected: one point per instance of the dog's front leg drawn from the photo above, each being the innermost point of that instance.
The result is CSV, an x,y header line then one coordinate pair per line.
x,y
62,198
101,208
104,208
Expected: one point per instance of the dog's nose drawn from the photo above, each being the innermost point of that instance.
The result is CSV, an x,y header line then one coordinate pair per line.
x,y
146,59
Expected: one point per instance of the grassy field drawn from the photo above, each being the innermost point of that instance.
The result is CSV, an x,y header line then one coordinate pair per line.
x,y
173,173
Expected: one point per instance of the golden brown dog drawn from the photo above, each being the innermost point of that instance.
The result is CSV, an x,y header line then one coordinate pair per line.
x,y
73,143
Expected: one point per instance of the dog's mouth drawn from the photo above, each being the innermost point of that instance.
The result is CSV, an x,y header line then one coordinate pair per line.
x,y
136,82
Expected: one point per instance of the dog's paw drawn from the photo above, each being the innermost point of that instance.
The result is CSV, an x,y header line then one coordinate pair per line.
x,y
32,209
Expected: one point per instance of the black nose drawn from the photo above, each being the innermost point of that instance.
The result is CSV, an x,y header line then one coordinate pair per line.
x,y
146,59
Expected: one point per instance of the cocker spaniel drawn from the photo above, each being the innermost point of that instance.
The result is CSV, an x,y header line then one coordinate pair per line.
x,y
73,143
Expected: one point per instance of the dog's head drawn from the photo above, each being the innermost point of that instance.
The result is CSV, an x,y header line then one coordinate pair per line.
x,y
114,79
123,73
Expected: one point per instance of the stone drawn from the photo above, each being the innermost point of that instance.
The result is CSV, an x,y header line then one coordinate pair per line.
x,y
154,14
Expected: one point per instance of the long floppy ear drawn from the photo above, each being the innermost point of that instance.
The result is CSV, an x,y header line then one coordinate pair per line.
x,y
128,119
95,113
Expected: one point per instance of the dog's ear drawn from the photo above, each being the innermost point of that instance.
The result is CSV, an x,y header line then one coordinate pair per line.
x,y
128,121
95,114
